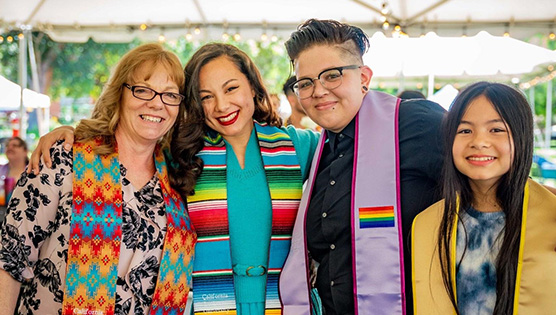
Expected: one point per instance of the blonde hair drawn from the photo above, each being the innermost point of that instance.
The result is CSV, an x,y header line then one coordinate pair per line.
x,y
106,113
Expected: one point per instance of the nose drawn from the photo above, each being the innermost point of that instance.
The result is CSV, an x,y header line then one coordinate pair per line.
x,y
220,104
480,140
156,103
318,89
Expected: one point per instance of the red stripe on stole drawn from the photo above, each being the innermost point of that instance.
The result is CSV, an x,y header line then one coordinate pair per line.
x,y
209,222
375,210
277,150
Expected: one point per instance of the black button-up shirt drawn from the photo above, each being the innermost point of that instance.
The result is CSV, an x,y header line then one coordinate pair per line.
x,y
329,213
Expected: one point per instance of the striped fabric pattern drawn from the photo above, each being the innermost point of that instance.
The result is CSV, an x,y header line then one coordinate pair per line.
x,y
374,217
95,238
213,275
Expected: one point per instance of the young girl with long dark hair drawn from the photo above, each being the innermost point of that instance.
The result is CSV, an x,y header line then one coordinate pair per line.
x,y
489,246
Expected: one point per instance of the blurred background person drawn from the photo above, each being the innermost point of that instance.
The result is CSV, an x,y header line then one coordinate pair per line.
x,y
411,94
298,118
16,153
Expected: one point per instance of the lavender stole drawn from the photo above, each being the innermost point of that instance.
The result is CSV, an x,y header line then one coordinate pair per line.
x,y
375,213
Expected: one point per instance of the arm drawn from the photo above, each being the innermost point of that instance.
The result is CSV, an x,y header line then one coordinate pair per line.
x,y
305,143
10,292
65,133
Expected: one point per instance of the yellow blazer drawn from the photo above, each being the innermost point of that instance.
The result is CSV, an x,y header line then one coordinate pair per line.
x,y
536,279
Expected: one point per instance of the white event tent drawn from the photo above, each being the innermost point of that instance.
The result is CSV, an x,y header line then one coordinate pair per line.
x,y
124,20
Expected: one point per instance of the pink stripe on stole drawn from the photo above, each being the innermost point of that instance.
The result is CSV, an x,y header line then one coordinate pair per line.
x,y
398,203
353,251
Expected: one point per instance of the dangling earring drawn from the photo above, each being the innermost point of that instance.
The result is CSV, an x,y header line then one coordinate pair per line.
x,y
365,89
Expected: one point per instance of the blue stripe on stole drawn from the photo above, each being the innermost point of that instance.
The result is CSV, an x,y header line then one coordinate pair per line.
x,y
272,297
212,255
213,158
281,159
279,250
214,293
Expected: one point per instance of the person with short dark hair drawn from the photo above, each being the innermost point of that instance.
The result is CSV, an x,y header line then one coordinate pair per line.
x,y
411,94
376,167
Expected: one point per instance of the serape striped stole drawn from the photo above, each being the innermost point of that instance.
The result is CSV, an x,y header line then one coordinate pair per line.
x,y
213,287
96,235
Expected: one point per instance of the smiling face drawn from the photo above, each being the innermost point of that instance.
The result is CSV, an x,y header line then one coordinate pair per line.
x,y
483,148
227,99
145,122
332,109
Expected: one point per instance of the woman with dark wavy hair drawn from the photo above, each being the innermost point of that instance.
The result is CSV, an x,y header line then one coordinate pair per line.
x,y
247,196
488,246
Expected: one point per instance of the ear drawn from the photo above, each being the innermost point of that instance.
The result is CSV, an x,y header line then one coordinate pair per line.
x,y
366,75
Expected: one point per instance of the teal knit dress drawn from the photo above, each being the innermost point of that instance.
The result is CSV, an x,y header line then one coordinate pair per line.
x,y
250,214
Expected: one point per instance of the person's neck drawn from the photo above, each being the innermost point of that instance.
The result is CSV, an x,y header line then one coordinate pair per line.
x,y
16,167
239,145
484,198
137,159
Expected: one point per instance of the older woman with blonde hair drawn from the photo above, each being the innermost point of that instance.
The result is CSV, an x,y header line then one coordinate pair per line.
x,y
105,230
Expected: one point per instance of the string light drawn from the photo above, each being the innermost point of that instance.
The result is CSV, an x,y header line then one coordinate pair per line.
x,y
20,36
552,36
264,37
237,36
274,38
538,80
507,32
161,38
385,25
188,36
225,36
10,39
1,39
197,31
143,27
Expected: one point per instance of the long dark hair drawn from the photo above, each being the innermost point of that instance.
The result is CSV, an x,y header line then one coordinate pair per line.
x,y
264,111
513,108
190,129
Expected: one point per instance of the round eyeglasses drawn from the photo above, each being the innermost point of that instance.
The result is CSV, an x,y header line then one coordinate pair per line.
x,y
147,94
329,78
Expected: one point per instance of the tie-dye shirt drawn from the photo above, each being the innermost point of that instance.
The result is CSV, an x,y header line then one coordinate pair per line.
x,y
478,240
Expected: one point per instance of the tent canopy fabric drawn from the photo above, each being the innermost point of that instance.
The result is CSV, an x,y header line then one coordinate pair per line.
x,y
108,20
10,98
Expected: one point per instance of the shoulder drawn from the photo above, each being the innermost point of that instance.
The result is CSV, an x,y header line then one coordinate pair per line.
x,y
432,213
300,136
421,109
59,156
539,194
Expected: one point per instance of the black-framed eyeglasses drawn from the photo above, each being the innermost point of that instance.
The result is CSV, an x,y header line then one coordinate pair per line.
x,y
329,78
147,94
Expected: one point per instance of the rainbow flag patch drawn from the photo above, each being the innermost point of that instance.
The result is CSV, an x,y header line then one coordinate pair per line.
x,y
373,217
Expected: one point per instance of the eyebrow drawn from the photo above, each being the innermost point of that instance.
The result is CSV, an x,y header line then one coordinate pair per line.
x,y
488,122
223,85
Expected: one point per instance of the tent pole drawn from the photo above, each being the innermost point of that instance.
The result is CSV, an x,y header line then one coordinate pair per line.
x,y
23,84
431,86
539,140
548,120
